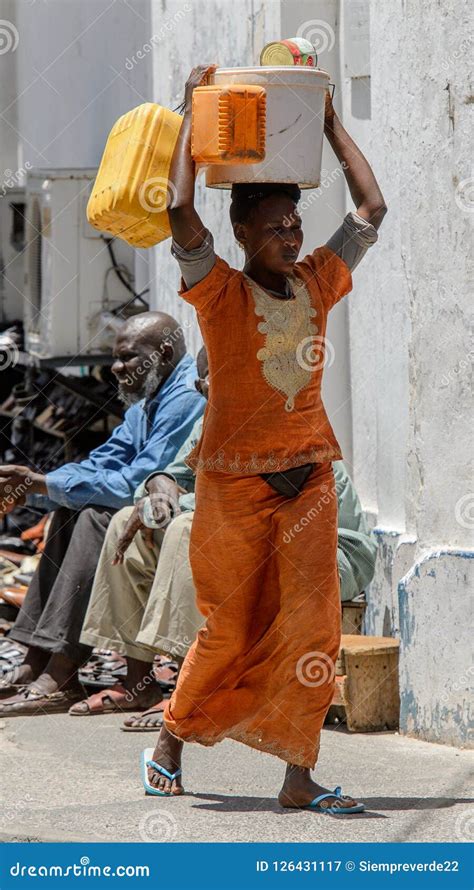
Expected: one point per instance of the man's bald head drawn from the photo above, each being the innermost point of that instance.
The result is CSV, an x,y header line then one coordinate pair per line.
x,y
152,329
147,349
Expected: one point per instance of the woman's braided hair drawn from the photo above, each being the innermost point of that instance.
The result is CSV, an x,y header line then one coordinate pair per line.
x,y
247,195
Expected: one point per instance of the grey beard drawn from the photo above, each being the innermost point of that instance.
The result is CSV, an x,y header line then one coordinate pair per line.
x,y
150,384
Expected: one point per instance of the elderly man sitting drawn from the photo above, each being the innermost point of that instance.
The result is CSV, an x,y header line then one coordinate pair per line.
x,y
143,599
156,379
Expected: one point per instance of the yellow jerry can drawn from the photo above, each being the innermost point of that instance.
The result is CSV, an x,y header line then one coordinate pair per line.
x,y
228,124
132,188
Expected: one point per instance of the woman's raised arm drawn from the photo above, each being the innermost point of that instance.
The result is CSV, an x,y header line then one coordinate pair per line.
x,y
186,225
363,186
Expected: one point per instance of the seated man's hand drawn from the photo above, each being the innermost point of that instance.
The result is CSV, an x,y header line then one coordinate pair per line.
x,y
15,483
164,499
134,525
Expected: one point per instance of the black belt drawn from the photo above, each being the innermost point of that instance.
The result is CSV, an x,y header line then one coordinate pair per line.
x,y
291,482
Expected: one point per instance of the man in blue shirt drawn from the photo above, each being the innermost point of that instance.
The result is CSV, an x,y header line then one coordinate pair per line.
x,y
156,379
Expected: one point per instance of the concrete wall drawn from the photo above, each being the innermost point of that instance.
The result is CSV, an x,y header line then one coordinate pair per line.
x,y
71,76
410,353
398,390
79,65
436,665
243,27
319,23
67,82
9,41
11,175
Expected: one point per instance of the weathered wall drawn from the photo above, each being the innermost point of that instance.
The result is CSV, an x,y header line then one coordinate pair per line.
x,y
403,83
243,27
11,175
378,319
67,82
323,209
80,65
9,42
71,78
436,667
410,355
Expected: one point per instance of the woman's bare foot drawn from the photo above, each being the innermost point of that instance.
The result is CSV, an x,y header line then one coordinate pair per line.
x,y
168,755
299,791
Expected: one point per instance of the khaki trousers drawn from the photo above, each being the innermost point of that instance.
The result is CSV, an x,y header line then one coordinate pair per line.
x,y
147,604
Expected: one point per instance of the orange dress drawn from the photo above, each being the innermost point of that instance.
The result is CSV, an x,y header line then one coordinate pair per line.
x,y
261,669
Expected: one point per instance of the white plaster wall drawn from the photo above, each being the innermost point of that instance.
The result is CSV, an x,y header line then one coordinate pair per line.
x,y
230,34
403,410
67,82
409,331
72,82
80,65
319,22
8,89
244,28
436,217
410,348
379,324
436,666
11,176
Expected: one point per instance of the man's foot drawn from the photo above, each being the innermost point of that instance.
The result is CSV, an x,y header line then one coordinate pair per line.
x,y
168,755
299,791
118,698
55,687
150,720
13,676
44,685
33,664
49,684
42,696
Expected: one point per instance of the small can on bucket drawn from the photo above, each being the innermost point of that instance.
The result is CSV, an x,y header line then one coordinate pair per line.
x,y
294,51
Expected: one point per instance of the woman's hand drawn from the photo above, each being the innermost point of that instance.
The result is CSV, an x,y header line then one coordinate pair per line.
x,y
363,186
329,112
187,227
200,76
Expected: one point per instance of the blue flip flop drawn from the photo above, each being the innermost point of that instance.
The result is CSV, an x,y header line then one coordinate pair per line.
x,y
335,810
146,761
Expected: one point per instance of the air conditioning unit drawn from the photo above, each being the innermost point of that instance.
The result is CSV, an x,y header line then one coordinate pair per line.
x,y
12,256
73,275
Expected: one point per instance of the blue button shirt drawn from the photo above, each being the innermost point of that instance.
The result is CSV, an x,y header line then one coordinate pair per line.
x,y
148,439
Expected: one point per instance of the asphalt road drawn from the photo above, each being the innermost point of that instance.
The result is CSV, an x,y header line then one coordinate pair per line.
x,y
77,779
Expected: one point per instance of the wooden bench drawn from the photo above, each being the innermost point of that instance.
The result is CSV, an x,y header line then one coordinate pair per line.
x,y
353,612
367,695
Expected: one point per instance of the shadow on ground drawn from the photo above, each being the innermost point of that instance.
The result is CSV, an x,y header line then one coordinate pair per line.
x,y
224,803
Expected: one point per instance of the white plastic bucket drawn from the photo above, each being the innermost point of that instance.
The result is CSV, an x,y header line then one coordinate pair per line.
x,y
294,127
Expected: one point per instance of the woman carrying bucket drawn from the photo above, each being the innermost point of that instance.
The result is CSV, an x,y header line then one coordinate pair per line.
x,y
261,670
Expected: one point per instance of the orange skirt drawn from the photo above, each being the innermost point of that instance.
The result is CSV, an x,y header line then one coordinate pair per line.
x,y
261,670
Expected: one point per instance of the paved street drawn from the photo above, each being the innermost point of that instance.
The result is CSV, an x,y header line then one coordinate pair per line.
x,y
77,779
